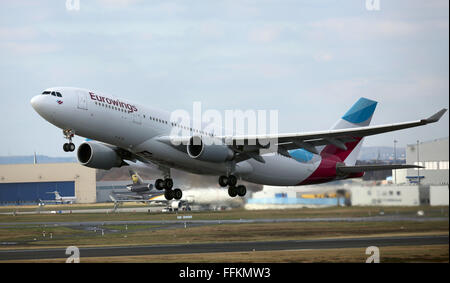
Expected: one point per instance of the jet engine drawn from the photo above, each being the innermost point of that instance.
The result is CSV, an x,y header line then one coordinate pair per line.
x,y
208,149
141,188
99,156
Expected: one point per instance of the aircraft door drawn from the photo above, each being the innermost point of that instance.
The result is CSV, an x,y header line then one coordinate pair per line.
x,y
137,118
82,100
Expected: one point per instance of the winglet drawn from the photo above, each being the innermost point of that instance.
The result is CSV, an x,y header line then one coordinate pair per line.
x,y
434,118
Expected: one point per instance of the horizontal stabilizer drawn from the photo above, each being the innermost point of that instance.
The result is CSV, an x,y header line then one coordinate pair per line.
x,y
364,168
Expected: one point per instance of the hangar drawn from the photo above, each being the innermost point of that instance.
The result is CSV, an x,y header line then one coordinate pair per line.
x,y
22,184
434,156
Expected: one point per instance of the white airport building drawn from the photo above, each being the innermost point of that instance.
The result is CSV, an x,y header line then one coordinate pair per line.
x,y
433,180
426,186
434,156
398,195
439,195
387,195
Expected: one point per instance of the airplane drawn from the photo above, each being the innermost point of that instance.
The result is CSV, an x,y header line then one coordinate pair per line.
x,y
138,186
58,199
138,191
151,200
120,130
142,192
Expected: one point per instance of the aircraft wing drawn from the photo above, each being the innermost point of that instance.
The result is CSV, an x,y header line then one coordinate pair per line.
x,y
327,137
131,198
307,141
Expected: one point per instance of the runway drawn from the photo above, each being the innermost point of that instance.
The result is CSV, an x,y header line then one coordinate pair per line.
x,y
226,247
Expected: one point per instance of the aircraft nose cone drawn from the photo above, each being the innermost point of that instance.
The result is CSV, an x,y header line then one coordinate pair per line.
x,y
41,106
34,102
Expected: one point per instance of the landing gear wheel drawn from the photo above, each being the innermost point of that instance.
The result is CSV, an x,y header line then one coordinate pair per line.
x,y
159,184
232,191
223,181
177,194
168,194
241,190
232,180
69,134
168,183
68,147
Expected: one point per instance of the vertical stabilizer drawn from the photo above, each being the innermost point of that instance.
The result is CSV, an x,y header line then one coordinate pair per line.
x,y
135,177
359,115
57,195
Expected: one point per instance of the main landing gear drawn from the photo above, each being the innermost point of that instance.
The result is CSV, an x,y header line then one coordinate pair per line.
x,y
69,134
167,185
231,182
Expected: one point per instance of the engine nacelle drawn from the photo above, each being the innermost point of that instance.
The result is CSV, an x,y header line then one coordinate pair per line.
x,y
141,188
207,149
99,156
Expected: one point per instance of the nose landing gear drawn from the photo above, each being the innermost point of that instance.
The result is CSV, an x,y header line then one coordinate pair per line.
x,y
68,134
68,147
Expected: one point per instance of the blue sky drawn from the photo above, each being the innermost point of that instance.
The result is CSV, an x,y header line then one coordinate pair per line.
x,y
311,60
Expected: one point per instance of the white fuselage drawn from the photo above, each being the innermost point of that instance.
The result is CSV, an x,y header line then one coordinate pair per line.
x,y
135,127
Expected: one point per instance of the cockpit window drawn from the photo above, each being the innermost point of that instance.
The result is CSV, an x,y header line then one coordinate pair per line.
x,y
54,93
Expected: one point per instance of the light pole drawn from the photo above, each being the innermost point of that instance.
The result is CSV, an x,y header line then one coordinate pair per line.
x,y
418,169
395,161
